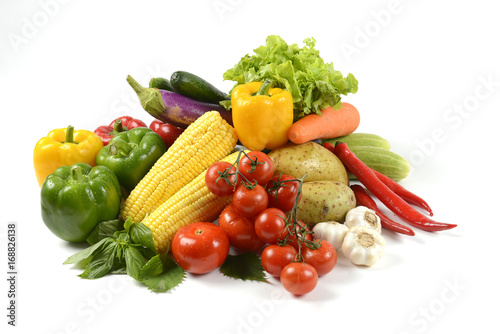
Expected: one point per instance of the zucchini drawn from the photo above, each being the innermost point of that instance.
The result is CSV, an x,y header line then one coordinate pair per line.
x,y
384,161
190,85
161,83
361,139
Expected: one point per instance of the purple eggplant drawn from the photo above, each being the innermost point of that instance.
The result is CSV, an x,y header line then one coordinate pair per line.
x,y
173,108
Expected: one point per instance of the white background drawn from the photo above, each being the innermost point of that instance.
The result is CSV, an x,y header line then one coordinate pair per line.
x,y
429,82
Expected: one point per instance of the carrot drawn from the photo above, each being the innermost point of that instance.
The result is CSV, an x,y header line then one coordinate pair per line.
x,y
331,124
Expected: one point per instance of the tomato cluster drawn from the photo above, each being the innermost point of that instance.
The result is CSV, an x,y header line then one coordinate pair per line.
x,y
261,213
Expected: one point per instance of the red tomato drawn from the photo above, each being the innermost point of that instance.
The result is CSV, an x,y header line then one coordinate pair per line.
x,y
220,186
323,259
200,247
282,195
257,166
240,230
293,237
274,258
168,132
299,278
250,202
270,225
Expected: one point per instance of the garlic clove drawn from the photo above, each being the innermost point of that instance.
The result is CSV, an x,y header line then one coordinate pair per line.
x,y
331,231
363,216
363,245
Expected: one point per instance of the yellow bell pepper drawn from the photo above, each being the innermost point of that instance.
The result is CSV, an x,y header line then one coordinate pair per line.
x,y
64,147
261,115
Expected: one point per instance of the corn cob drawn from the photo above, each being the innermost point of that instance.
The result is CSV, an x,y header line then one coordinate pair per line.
x,y
204,142
193,203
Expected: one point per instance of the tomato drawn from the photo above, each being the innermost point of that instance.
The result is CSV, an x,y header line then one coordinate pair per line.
x,y
299,278
257,166
270,225
293,238
167,132
200,247
217,176
250,202
323,259
240,230
282,195
274,258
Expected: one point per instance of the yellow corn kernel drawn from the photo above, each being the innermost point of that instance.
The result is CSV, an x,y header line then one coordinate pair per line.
x,y
204,142
193,203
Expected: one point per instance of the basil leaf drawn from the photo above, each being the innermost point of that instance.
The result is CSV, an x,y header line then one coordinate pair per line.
x,y
104,229
245,266
134,261
141,234
119,269
161,273
86,253
102,262
128,223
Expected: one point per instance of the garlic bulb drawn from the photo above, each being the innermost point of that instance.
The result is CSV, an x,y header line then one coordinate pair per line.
x,y
362,216
363,245
330,231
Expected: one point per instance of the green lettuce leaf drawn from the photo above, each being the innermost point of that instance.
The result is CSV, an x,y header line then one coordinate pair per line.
x,y
313,84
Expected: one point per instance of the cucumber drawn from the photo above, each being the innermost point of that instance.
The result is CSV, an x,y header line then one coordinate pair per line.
x,y
161,83
384,161
361,139
190,85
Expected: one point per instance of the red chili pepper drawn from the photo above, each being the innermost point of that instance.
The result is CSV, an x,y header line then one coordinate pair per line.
x,y
402,192
168,132
362,198
396,204
120,124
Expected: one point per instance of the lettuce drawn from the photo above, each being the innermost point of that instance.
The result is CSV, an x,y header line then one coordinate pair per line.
x,y
314,84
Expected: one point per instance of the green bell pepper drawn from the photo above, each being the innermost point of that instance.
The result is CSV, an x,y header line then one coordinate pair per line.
x,y
76,198
131,154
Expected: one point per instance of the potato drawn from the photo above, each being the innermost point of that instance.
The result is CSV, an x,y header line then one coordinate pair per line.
x,y
309,158
324,201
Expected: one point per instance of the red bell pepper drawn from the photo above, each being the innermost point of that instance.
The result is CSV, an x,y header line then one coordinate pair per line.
x,y
120,124
167,132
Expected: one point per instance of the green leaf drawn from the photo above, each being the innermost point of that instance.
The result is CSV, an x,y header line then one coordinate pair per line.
x,y
128,223
102,262
118,269
246,266
141,234
134,261
87,252
161,273
105,229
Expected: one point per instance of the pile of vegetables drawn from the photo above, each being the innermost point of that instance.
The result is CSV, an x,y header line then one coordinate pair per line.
x,y
270,178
